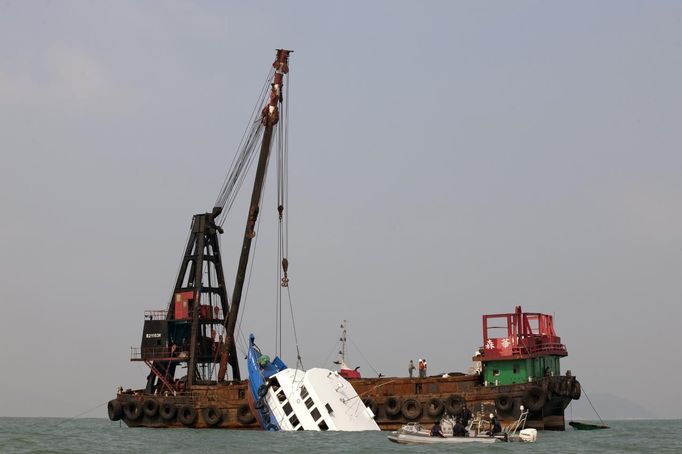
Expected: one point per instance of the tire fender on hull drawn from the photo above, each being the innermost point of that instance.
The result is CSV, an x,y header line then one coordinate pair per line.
x,y
167,411
212,416
115,410
435,407
132,410
150,407
244,415
534,398
504,403
392,406
187,415
411,409
454,403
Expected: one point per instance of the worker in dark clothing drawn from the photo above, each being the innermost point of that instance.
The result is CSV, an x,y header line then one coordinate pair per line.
x,y
495,426
465,415
436,430
458,430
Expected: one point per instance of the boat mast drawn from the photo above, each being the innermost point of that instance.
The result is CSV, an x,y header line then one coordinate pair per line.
x,y
269,118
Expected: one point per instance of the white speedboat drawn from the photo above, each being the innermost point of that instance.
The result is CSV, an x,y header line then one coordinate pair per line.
x,y
291,399
413,433
476,432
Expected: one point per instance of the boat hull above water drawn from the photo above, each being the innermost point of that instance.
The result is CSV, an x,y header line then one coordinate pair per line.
x,y
394,400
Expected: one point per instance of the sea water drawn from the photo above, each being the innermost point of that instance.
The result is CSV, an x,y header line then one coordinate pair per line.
x,y
54,435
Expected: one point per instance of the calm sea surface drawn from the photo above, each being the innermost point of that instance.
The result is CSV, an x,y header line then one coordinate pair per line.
x,y
54,435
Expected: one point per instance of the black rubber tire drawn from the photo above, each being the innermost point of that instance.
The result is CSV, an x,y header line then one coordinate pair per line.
x,y
576,391
150,407
244,415
187,415
534,398
504,403
132,410
115,410
212,416
566,388
411,409
371,404
262,391
259,404
453,404
392,406
435,407
167,411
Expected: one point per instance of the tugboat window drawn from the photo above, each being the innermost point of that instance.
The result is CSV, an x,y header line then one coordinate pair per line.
x,y
516,368
496,372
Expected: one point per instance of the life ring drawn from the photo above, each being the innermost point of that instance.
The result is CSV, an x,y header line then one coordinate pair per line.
x,y
371,404
132,410
534,398
167,411
504,403
392,406
262,391
212,416
244,415
435,407
576,391
411,409
271,428
150,407
115,410
187,415
453,404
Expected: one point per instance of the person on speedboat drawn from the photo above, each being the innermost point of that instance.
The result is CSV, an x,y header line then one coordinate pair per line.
x,y
495,426
458,430
436,430
465,415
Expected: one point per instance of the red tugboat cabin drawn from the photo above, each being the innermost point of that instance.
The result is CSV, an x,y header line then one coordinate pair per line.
x,y
519,347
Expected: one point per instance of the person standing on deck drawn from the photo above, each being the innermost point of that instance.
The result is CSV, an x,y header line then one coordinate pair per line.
x,y
411,368
422,374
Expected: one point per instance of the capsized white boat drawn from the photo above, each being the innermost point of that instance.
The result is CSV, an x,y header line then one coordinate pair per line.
x,y
291,399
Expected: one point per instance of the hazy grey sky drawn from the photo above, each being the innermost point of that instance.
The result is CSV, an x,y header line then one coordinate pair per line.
x,y
447,159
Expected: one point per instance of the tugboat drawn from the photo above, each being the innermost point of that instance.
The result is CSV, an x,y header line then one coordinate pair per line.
x,y
517,366
190,345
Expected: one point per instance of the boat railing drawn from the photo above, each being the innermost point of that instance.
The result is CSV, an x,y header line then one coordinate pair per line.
x,y
150,353
527,349
478,426
519,424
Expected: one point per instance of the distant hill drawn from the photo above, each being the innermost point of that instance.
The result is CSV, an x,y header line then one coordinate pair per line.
x,y
609,406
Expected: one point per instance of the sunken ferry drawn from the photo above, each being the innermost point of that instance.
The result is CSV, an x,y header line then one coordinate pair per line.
x,y
190,347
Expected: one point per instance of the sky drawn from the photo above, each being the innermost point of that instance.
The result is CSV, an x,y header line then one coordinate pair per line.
x,y
447,160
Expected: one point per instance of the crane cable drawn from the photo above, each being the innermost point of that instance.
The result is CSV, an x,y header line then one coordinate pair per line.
x,y
246,151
